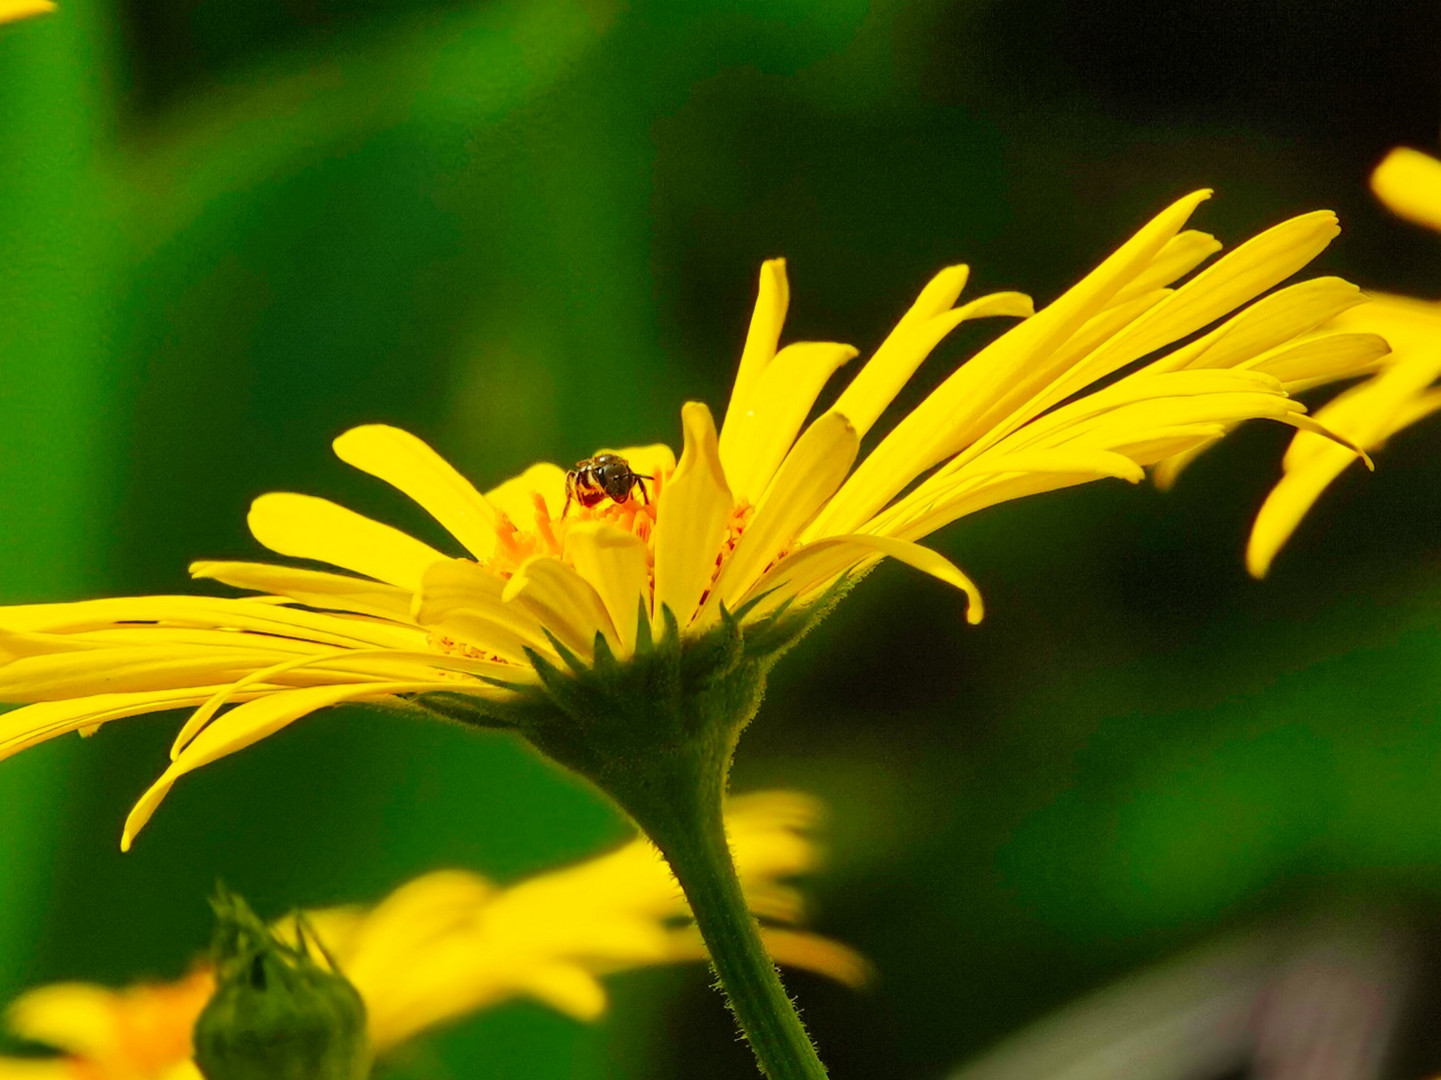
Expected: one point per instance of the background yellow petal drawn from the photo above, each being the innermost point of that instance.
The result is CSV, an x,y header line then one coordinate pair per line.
x,y
10,10
1409,183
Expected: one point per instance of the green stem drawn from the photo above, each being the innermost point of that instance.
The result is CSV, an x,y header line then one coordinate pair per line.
x,y
689,829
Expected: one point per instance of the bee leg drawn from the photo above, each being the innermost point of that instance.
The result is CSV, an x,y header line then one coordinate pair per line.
x,y
569,492
640,483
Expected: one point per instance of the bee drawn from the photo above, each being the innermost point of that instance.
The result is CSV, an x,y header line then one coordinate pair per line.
x,y
600,477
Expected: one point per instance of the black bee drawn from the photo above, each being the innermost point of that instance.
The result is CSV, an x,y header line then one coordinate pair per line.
x,y
603,476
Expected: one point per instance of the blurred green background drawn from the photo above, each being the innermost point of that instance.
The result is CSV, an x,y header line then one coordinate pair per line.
x,y
527,228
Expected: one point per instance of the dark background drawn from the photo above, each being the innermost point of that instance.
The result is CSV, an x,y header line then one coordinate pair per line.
x,y
526,228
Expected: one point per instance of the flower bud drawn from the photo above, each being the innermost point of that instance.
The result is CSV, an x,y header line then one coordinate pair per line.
x,y
277,1013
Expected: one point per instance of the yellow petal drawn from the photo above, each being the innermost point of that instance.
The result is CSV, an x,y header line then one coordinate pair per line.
x,y
351,665
999,379
783,397
84,673
567,988
409,464
562,601
305,527
247,724
762,339
1183,253
1288,503
23,728
819,563
1409,182
691,519
809,476
79,1018
1325,358
1270,322
1092,463
615,563
313,587
1249,270
907,347
10,10
458,598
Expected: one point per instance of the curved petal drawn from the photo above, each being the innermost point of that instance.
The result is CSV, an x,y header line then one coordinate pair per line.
x,y
247,724
784,396
314,588
306,527
616,563
691,520
408,463
563,601
811,473
773,297
819,563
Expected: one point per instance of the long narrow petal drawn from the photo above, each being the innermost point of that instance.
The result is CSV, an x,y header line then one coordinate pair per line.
x,y
783,397
817,564
246,725
1183,253
25,727
206,612
992,384
691,519
907,347
315,588
772,299
615,563
131,669
811,473
1270,322
305,527
406,462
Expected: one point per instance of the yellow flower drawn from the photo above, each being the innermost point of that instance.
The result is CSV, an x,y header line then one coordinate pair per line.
x,y
450,944
758,524
10,10
1397,396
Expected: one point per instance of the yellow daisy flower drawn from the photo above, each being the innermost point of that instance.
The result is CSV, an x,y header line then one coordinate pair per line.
x,y
623,617
450,944
761,518
11,10
1396,397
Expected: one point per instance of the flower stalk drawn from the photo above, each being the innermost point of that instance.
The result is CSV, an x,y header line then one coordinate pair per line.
x,y
657,733
684,820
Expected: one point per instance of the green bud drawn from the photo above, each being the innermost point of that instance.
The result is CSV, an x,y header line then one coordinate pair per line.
x,y
277,1013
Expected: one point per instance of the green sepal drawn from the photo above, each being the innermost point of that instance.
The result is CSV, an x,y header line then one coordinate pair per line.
x,y
277,1013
